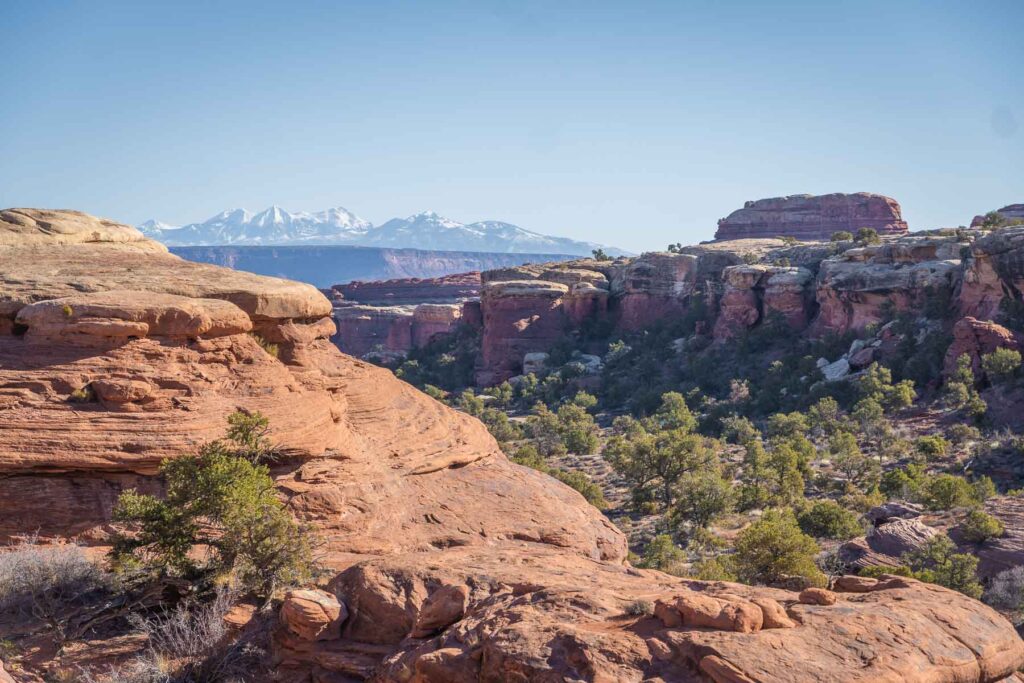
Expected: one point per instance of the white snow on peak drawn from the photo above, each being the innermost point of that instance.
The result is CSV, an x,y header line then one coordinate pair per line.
x,y
425,230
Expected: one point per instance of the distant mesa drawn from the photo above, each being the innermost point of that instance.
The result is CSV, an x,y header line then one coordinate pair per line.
x,y
811,218
1010,212
339,226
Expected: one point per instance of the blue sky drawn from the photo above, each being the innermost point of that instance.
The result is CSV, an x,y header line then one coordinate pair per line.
x,y
630,123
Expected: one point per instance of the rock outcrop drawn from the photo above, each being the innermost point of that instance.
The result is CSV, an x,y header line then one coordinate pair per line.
x,y
530,613
976,338
758,293
519,316
446,289
115,355
994,272
813,218
885,545
1012,212
868,284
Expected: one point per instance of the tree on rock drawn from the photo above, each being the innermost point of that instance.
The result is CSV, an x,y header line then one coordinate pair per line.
x,y
220,515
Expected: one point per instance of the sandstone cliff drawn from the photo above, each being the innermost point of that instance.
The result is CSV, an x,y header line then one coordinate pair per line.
x,y
809,217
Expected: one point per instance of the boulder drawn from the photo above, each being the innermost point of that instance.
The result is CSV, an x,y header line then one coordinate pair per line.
x,y
535,362
726,613
813,218
313,614
441,609
836,370
885,545
816,596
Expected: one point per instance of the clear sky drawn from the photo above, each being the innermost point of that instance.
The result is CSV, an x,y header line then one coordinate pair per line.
x,y
630,123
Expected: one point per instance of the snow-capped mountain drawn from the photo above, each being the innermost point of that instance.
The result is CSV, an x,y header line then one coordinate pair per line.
x,y
274,226
426,230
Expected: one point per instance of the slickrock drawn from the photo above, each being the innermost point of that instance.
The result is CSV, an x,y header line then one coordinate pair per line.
x,y
813,218
885,545
533,613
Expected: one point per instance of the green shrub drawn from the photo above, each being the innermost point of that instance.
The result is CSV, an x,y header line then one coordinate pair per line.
x,y
867,236
841,236
774,548
714,569
931,446
583,484
979,526
828,519
937,562
948,491
225,502
702,497
662,553
1001,365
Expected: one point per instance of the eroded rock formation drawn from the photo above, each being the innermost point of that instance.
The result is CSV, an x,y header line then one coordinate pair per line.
x,y
531,613
115,354
454,563
813,218
445,289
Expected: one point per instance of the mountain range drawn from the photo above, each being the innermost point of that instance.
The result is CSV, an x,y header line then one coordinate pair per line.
x,y
339,226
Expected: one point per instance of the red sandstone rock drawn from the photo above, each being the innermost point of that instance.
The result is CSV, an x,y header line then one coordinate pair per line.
x,y
816,596
885,545
976,338
1011,211
996,268
756,292
313,614
721,613
537,614
865,285
809,217
520,316
446,289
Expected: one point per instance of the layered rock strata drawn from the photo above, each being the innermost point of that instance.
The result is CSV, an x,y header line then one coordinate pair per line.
x,y
813,218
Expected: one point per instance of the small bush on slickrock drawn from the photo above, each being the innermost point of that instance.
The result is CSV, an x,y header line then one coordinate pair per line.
x,y
979,526
218,499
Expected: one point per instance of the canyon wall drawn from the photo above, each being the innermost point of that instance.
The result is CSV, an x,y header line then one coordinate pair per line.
x,y
324,266
450,562
809,217
814,289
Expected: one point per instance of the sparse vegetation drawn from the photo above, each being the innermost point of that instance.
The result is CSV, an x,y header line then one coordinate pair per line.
x,y
222,500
